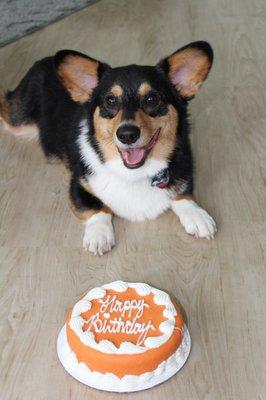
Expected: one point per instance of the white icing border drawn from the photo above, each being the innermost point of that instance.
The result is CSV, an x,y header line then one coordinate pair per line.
x,y
129,383
76,322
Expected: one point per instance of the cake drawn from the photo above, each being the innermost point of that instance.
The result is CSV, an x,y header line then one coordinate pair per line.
x,y
124,337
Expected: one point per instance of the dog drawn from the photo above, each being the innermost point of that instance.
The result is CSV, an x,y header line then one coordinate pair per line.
x,y
123,134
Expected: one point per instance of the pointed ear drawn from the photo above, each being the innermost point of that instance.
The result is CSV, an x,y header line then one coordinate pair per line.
x,y
188,67
78,73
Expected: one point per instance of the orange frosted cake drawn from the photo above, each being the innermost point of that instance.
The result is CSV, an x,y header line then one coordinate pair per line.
x,y
124,337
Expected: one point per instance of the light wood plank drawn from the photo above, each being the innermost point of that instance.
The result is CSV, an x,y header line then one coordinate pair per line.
x,y
220,284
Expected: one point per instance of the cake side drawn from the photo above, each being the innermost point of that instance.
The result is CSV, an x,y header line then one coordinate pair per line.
x,y
127,383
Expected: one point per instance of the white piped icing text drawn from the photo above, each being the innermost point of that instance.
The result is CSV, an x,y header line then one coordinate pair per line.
x,y
128,322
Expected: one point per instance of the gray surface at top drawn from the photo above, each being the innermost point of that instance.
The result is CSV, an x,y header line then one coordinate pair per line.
x,y
19,17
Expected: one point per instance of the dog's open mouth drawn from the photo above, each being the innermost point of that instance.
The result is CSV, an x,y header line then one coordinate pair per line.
x,y
135,157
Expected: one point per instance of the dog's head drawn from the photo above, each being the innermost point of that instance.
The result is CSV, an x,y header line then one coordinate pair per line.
x,y
135,110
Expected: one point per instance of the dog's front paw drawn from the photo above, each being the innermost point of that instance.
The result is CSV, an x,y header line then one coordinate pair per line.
x,y
99,234
195,220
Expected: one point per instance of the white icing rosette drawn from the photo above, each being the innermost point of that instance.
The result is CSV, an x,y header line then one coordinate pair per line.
x,y
118,286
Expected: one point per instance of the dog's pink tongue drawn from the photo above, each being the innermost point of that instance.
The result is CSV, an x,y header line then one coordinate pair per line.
x,y
133,156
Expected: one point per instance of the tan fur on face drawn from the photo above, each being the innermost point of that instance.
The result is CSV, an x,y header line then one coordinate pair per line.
x,y
117,90
73,72
144,89
105,128
167,136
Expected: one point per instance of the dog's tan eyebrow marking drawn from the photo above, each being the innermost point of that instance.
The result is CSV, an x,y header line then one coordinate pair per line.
x,y
117,90
144,89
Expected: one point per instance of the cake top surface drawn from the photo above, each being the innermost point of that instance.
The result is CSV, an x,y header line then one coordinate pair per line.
x,y
124,318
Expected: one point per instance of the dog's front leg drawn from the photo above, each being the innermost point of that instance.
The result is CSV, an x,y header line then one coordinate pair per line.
x,y
195,220
99,232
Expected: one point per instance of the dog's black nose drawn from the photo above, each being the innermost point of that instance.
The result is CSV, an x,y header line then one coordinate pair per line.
x,y
128,134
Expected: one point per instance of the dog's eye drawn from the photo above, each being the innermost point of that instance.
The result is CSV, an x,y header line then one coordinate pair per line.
x,y
152,100
110,101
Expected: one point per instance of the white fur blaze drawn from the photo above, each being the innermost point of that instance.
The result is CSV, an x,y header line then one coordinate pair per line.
x,y
99,234
195,220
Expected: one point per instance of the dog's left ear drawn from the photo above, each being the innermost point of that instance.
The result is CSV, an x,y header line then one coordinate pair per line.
x,y
78,73
188,67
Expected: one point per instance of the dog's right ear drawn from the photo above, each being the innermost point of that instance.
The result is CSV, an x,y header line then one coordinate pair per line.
x,y
78,73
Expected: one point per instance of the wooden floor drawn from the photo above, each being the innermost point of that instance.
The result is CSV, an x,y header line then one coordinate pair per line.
x,y
220,283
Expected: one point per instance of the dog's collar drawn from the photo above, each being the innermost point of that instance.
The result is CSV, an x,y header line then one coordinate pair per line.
x,y
161,179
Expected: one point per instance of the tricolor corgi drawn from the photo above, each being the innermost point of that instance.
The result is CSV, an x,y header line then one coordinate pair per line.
x,y
123,133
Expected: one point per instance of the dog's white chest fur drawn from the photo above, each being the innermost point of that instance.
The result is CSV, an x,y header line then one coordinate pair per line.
x,y
134,200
